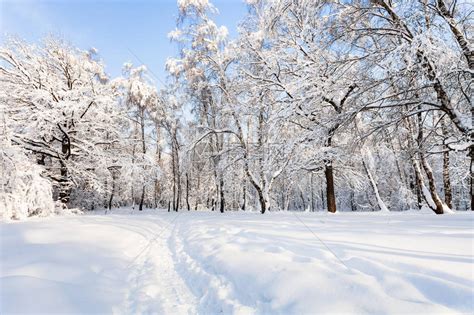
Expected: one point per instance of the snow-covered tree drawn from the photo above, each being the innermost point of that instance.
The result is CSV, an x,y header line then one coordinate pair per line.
x,y
24,192
61,109
140,98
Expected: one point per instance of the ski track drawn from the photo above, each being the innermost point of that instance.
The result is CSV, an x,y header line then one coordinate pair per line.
x,y
216,291
155,286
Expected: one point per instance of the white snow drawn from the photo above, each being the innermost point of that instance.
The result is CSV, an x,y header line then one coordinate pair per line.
x,y
202,262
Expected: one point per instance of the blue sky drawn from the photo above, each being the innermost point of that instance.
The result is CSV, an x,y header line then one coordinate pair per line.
x,y
119,29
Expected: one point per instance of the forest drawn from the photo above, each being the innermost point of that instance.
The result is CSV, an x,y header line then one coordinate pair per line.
x,y
316,105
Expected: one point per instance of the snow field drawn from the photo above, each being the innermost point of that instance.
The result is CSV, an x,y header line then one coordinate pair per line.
x,y
238,263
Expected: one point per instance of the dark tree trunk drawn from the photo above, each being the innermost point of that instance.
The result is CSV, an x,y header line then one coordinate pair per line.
x,y
312,192
353,207
472,179
133,188
187,192
64,185
330,192
173,166
221,191
176,172
244,193
178,198
263,204
302,199
142,126
110,199
142,198
65,189
113,190
328,173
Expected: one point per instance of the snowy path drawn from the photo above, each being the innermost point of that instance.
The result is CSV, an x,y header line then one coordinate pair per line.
x,y
238,263
156,287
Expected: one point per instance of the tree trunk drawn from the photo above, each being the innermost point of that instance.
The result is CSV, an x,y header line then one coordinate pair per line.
x,y
438,204
142,198
244,192
446,179
178,196
312,192
448,194
132,177
263,203
112,193
328,173
472,181
177,170
353,206
173,168
330,191
221,191
64,185
414,185
155,195
432,186
187,192
380,202
142,127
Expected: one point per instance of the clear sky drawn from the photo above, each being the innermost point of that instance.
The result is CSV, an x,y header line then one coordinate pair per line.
x,y
122,30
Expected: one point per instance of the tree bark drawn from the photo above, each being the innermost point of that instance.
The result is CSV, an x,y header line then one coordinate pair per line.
x,y
330,191
142,198
312,192
64,185
112,192
448,194
415,185
328,173
244,193
221,192
432,186
472,182
142,127
380,202
187,193
173,168
262,201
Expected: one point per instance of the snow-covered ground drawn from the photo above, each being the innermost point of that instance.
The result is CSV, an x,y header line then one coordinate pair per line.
x,y
159,262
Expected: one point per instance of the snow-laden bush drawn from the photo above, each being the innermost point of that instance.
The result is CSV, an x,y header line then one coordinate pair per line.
x,y
23,192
